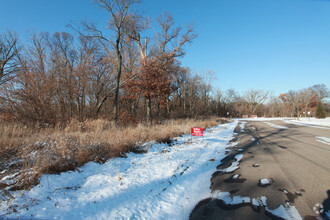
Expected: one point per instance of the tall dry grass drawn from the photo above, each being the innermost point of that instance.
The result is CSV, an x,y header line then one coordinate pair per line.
x,y
52,150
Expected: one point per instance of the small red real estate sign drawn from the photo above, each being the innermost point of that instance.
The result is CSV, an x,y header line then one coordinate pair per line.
x,y
196,131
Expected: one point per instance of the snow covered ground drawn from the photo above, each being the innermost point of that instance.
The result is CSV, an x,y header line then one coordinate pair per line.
x,y
165,183
312,122
302,121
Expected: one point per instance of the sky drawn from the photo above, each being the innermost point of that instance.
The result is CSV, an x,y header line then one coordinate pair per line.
x,y
274,45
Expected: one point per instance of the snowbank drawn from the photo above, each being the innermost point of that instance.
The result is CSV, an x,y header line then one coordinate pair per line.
x,y
301,121
165,183
311,121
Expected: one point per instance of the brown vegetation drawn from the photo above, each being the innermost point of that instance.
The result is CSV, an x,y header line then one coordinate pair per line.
x,y
31,151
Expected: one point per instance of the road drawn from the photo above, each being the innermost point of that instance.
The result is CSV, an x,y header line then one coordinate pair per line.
x,y
293,157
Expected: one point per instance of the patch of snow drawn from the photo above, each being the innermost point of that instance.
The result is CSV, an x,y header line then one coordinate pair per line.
x,y
323,140
234,165
293,212
311,122
235,177
238,157
288,212
255,202
235,200
153,185
280,211
315,121
302,120
262,119
283,212
242,125
10,179
276,126
262,201
264,182
252,138
232,144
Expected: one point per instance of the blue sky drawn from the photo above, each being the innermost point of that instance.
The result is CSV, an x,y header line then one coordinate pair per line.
x,y
274,45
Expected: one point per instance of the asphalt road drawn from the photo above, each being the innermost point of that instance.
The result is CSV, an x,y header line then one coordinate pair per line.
x,y
291,156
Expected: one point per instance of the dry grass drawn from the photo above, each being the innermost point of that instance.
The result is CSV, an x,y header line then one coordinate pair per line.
x,y
36,151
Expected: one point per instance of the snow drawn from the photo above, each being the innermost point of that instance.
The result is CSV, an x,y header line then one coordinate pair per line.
x,y
323,140
164,183
235,177
264,182
262,201
227,199
311,122
10,179
261,119
314,121
234,165
276,126
280,211
242,125
302,121
155,185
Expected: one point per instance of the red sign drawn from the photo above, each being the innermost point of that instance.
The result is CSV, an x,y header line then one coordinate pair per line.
x,y
197,131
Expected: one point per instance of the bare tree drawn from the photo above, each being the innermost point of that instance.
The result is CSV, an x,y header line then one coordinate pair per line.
x,y
254,98
170,40
8,53
34,97
170,43
118,13
321,91
134,25
294,99
274,106
307,96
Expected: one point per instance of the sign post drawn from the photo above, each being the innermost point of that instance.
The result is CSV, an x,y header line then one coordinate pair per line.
x,y
196,132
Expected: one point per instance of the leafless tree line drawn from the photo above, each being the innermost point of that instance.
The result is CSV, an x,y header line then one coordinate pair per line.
x,y
90,71
301,103
117,73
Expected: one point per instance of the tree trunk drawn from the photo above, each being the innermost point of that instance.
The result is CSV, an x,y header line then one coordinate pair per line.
x,y
148,110
184,100
119,57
